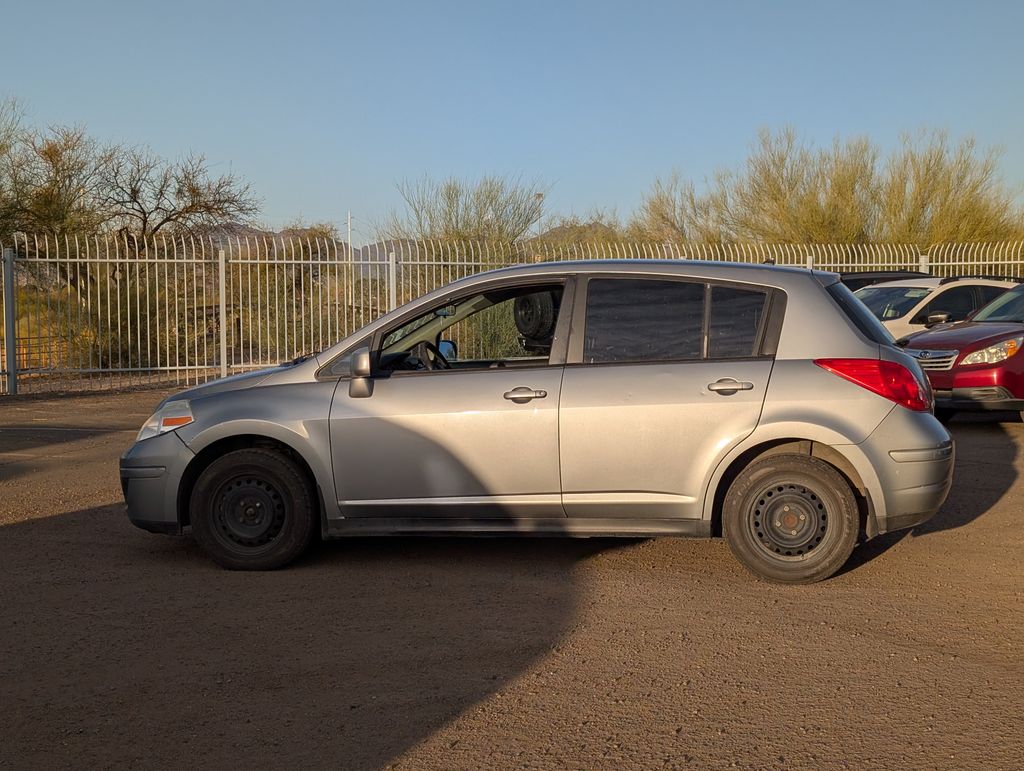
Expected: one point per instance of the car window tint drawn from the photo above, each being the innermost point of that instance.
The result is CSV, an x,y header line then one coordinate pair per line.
x,y
989,293
958,302
643,320
735,320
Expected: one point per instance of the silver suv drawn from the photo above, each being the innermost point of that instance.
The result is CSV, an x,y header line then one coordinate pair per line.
x,y
606,398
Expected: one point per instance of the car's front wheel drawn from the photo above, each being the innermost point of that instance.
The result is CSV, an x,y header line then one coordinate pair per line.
x,y
253,509
791,519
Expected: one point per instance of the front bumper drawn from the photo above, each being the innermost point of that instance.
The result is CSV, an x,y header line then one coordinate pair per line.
x,y
978,399
151,472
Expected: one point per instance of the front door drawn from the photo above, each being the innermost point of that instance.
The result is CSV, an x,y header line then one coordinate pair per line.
x,y
462,421
667,376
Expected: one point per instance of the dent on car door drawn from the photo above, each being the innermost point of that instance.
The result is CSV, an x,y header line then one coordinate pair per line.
x,y
663,377
476,440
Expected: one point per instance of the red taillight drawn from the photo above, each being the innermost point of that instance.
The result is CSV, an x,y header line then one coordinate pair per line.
x,y
885,378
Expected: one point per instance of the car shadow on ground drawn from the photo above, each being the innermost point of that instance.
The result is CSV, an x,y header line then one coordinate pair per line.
x,y
991,457
22,447
361,650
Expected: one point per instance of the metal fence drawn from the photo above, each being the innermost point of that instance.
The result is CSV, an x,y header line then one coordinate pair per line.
x,y
93,313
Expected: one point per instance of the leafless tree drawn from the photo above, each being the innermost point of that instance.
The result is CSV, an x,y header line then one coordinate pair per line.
x,y
144,195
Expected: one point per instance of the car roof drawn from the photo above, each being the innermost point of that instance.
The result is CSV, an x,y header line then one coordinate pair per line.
x,y
923,281
742,271
876,273
934,282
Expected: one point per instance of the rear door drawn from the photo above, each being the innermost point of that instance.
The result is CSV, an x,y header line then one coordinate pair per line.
x,y
663,376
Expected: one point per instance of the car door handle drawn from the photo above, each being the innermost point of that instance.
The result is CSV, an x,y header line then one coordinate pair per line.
x,y
728,386
522,394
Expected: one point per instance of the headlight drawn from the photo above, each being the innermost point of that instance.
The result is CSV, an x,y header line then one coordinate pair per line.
x,y
169,417
994,353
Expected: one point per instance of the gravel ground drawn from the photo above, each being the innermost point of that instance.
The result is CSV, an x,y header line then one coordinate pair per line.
x,y
121,648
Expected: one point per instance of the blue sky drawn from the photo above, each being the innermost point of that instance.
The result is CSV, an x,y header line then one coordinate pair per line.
x,y
324,106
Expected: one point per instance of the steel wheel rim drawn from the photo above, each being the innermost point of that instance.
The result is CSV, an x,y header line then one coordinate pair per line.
x,y
789,521
249,513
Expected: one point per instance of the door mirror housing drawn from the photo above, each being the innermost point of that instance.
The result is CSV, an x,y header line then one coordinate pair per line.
x,y
360,385
361,363
448,349
937,317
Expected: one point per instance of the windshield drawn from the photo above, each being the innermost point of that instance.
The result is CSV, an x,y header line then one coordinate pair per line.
x,y
1006,307
891,302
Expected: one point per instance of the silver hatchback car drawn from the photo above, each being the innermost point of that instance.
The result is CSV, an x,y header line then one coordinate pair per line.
x,y
606,398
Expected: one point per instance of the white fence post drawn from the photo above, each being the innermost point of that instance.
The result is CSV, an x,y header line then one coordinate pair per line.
x,y
222,271
10,324
922,263
392,281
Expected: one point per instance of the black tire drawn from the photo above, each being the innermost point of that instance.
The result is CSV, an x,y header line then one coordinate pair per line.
x,y
253,509
535,315
791,519
944,415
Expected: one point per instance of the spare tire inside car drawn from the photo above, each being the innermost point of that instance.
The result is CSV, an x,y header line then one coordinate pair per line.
x,y
535,315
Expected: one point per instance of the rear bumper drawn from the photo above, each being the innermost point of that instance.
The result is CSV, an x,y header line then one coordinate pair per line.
x,y
920,496
978,399
911,457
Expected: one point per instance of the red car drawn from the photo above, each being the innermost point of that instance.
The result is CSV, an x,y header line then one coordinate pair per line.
x,y
975,364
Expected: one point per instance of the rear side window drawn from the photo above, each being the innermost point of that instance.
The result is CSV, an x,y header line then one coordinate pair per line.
x,y
643,320
859,314
636,320
736,316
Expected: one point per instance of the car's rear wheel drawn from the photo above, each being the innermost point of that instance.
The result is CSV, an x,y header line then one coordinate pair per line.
x,y
253,509
791,519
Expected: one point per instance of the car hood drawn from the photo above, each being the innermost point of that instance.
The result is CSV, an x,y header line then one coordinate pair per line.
x,y
232,383
964,334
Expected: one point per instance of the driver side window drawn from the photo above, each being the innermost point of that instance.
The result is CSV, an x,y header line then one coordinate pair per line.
x,y
506,327
958,302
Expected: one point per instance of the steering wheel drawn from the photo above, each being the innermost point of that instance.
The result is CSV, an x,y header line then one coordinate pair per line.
x,y
431,358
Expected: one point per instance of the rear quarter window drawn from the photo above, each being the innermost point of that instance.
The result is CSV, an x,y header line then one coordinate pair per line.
x,y
735,324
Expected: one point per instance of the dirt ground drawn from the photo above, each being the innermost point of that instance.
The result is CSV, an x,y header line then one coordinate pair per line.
x,y
121,648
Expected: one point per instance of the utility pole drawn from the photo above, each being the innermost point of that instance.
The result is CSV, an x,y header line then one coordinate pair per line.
x,y
349,288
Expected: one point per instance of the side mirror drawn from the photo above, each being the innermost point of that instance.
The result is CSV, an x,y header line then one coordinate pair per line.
x,y
938,317
448,349
361,363
360,385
